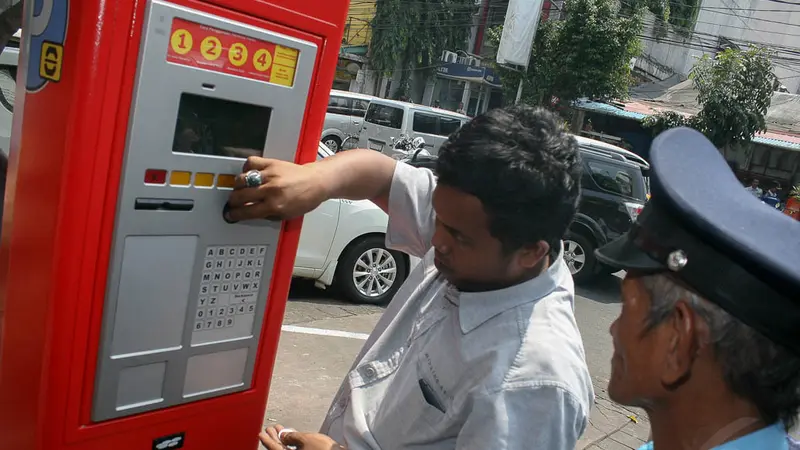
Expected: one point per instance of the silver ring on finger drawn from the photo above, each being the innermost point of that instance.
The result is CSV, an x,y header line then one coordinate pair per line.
x,y
253,179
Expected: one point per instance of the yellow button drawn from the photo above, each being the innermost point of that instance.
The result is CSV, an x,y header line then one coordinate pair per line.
x,y
179,178
204,179
226,181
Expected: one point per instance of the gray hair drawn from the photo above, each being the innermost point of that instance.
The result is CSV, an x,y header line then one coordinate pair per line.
x,y
754,368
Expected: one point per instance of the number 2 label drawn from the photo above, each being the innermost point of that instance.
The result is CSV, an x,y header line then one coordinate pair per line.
x,y
211,48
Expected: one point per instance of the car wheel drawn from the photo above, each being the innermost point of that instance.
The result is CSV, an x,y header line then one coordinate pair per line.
x,y
367,272
332,142
579,256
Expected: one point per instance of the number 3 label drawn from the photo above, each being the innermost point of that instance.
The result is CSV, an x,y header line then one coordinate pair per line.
x,y
237,55
211,48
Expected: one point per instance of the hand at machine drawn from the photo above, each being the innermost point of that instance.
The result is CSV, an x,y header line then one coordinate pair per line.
x,y
280,438
286,191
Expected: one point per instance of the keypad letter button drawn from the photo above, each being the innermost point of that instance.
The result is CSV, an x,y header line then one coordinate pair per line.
x,y
213,300
262,250
208,265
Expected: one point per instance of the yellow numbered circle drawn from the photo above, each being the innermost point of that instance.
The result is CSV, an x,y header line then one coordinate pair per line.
x,y
237,55
181,41
262,59
211,48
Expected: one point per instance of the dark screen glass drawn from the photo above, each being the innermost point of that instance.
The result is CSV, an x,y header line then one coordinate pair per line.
x,y
210,126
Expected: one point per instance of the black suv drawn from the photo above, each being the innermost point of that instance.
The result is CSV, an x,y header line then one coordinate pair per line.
x,y
614,191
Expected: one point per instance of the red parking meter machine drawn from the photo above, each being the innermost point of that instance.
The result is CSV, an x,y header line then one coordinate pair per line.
x,y
134,316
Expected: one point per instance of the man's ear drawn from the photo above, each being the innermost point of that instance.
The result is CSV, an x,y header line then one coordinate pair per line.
x,y
531,256
682,344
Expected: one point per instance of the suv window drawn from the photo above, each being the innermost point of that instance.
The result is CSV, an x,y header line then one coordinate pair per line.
x,y
435,124
617,179
360,107
448,125
385,115
425,123
339,105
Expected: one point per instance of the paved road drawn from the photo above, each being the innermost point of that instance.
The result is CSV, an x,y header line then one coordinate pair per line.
x,y
322,335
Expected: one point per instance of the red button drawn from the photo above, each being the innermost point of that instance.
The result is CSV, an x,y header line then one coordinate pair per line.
x,y
155,176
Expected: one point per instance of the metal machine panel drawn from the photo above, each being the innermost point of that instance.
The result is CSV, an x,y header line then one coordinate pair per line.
x,y
209,92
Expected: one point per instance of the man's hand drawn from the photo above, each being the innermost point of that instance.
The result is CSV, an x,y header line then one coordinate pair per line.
x,y
302,441
288,191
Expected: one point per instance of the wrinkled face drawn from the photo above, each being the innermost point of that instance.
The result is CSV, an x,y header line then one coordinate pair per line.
x,y
466,252
638,355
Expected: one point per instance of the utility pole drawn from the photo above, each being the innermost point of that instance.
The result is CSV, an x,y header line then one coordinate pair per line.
x,y
478,46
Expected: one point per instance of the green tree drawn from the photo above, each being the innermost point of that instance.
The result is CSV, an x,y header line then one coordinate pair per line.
x,y
734,90
587,54
412,34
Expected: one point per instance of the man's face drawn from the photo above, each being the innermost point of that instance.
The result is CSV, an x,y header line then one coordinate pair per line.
x,y
754,183
638,355
466,252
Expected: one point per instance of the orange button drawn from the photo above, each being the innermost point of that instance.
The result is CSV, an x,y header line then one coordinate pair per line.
x,y
204,179
180,178
226,181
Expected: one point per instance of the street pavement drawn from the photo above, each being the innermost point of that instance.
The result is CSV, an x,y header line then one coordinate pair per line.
x,y
322,335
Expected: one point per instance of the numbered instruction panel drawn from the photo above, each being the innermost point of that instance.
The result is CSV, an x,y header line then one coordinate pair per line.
x,y
210,48
187,291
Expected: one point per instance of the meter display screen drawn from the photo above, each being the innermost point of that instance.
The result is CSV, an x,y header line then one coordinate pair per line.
x,y
215,127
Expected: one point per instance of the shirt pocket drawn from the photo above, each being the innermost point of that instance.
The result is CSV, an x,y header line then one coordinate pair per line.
x,y
410,414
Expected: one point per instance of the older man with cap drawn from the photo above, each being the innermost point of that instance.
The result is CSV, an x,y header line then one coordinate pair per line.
x,y
708,340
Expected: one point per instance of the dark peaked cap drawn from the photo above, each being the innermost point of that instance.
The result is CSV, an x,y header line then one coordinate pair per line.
x,y
702,227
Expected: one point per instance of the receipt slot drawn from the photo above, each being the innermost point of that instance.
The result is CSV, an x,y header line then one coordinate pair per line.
x,y
135,316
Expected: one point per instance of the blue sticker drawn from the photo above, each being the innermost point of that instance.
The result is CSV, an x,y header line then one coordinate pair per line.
x,y
48,32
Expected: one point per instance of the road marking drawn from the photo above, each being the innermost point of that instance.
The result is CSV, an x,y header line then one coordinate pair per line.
x,y
324,332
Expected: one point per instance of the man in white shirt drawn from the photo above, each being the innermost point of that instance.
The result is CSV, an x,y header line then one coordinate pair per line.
x,y
479,348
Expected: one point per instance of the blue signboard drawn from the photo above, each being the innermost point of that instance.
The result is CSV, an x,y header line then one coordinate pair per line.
x,y
469,73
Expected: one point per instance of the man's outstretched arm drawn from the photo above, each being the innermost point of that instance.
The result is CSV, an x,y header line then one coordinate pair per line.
x,y
290,190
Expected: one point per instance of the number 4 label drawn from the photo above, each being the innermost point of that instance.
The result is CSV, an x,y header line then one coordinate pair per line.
x,y
262,60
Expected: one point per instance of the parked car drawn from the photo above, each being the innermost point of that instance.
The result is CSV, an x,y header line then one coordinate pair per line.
x,y
389,119
8,75
614,191
346,111
342,244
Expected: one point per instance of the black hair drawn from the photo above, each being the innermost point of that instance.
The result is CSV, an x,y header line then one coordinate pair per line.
x,y
523,167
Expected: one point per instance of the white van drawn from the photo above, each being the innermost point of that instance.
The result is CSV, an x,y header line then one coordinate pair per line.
x,y
387,119
345,114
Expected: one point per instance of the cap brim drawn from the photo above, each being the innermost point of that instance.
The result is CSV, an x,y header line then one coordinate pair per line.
x,y
622,254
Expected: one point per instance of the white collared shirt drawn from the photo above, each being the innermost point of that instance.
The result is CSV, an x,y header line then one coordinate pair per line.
x,y
476,370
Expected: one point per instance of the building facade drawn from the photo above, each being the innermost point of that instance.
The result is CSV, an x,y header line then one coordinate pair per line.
x,y
722,24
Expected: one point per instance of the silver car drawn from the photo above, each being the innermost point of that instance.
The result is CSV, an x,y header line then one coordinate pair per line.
x,y
346,111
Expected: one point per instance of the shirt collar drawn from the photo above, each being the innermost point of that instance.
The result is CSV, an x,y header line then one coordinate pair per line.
x,y
475,308
771,437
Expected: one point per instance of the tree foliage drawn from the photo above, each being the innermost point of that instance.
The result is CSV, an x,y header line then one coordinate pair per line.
x,y
412,34
587,54
734,92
